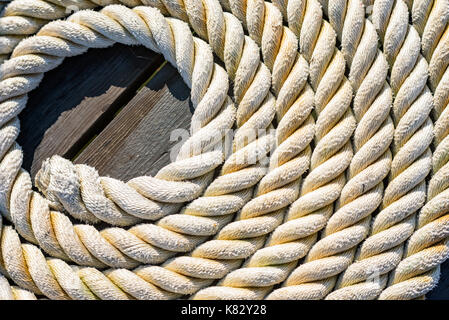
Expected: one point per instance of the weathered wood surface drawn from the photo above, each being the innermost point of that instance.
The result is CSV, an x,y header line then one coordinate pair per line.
x,y
137,142
79,98
88,110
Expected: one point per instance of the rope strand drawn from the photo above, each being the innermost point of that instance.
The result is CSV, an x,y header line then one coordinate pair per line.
x,y
69,234
418,272
358,257
332,155
405,194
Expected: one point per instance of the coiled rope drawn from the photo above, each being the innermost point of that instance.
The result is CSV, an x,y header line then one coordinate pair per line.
x,y
149,26
292,174
427,247
322,186
276,43
357,190
208,213
257,273
363,192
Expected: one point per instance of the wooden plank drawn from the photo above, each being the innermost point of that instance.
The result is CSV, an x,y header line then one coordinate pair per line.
x,y
137,141
441,291
78,99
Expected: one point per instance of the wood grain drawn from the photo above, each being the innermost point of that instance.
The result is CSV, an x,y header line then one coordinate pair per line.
x,y
77,100
441,291
137,142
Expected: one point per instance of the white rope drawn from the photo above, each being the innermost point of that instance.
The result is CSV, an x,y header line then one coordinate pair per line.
x,y
330,158
284,251
405,194
63,230
297,77
155,243
418,272
331,161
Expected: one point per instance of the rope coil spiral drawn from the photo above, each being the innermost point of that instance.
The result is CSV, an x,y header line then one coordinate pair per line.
x,y
363,191
418,271
322,186
90,238
405,193
339,216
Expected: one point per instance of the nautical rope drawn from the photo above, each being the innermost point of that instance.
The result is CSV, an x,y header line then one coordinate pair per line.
x,y
8,292
331,156
418,272
290,160
232,236
291,240
375,129
281,57
363,192
294,133
206,215
24,18
162,27
346,94
405,194
278,189
299,158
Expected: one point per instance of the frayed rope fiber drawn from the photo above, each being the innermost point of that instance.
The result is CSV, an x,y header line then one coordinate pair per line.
x,y
347,198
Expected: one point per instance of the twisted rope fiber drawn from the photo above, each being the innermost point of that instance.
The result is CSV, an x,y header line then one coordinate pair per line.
x,y
22,273
268,201
98,206
176,10
332,155
263,33
266,29
309,108
12,292
295,78
191,228
418,272
337,133
349,134
397,81
294,132
25,17
282,66
21,19
230,122
350,79
180,233
375,125
405,194
280,187
363,193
